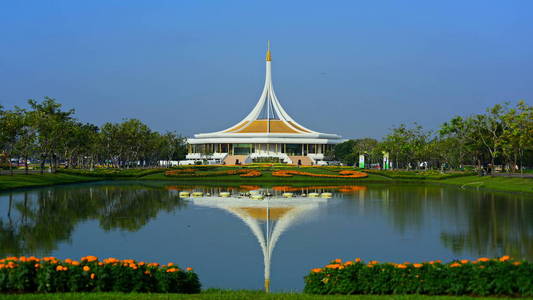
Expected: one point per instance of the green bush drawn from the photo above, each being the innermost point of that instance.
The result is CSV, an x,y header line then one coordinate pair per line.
x,y
483,277
50,275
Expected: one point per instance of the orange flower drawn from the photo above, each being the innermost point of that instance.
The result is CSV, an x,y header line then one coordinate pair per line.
x,y
517,263
170,264
89,258
454,265
189,269
93,275
36,266
418,265
464,261
357,259
370,265
401,266
333,266
348,263
338,260
86,268
373,262
61,268
505,258
483,259
317,270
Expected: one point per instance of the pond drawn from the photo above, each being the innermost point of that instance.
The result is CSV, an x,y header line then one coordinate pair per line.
x,y
237,242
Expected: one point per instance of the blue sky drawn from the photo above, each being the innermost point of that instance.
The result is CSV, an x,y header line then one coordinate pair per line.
x,y
349,67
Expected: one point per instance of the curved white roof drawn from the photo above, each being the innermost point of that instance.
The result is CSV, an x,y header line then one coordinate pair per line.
x,y
268,122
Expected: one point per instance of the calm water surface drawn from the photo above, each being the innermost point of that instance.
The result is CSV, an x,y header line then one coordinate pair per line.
x,y
230,241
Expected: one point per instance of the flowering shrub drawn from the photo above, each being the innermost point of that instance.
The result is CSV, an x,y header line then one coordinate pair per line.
x,y
482,277
31,274
342,174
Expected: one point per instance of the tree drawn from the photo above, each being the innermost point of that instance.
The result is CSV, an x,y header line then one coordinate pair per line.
x,y
344,152
51,124
11,123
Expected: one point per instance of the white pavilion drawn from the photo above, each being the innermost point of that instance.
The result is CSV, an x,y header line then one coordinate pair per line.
x,y
267,132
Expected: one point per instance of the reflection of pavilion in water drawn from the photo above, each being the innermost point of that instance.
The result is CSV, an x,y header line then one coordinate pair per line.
x,y
267,218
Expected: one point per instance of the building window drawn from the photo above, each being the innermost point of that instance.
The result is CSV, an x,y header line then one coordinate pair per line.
x,y
242,149
294,149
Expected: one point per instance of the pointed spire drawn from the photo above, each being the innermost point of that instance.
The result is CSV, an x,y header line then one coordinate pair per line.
x,y
268,55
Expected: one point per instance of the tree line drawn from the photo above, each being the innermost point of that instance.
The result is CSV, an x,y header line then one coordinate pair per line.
x,y
502,135
46,133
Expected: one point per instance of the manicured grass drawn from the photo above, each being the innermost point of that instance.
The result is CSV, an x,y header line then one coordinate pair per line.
x,y
229,295
505,184
267,177
35,180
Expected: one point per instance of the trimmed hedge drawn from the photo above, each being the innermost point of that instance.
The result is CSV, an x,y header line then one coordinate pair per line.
x,y
50,275
482,277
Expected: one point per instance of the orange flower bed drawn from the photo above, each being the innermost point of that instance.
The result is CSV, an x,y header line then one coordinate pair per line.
x,y
342,174
252,173
91,274
503,276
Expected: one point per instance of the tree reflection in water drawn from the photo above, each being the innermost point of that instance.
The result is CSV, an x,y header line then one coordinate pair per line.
x,y
37,221
477,223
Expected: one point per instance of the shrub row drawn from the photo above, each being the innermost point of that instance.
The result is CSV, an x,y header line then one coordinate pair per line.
x,y
48,275
482,277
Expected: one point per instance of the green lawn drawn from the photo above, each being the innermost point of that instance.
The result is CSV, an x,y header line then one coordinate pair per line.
x,y
506,184
229,295
35,180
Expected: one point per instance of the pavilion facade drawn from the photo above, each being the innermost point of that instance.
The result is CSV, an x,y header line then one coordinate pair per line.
x,y
267,132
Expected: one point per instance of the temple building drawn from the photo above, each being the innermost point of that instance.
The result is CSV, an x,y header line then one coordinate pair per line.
x,y
267,133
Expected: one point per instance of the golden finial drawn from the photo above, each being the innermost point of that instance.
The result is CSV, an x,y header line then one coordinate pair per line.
x,y
268,56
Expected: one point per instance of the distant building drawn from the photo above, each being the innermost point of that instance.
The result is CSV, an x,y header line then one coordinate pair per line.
x,y
268,132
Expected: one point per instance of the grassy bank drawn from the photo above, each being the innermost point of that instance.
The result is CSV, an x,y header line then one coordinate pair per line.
x,y
466,180
8,182
229,295
505,184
